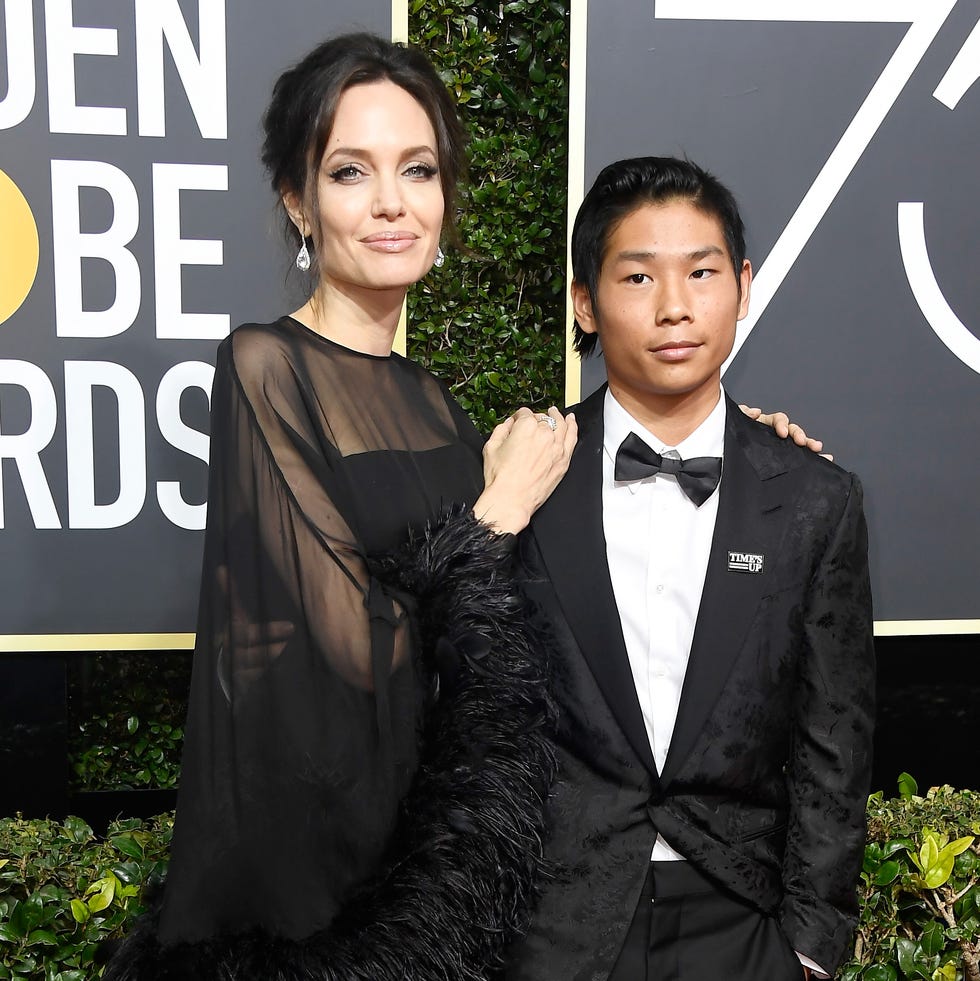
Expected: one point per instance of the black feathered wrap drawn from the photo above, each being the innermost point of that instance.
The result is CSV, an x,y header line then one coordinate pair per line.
x,y
461,869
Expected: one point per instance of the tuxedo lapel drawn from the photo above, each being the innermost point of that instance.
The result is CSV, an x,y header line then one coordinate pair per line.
x,y
748,521
569,532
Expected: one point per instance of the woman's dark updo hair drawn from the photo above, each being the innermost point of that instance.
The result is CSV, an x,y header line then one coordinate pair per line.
x,y
304,103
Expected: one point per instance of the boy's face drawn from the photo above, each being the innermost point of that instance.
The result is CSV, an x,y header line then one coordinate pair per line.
x,y
667,304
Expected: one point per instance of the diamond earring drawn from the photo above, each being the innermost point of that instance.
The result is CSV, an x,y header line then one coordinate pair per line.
x,y
303,257
440,258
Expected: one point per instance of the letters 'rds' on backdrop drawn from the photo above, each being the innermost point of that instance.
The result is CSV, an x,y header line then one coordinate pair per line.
x,y
136,228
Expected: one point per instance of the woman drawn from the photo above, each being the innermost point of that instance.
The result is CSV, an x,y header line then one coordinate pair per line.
x,y
366,757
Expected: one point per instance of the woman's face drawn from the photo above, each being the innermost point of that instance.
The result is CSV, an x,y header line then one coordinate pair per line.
x,y
380,203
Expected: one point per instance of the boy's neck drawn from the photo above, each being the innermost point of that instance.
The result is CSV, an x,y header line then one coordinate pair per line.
x,y
671,418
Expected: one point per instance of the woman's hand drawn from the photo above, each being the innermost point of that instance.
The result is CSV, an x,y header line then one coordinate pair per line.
x,y
779,421
523,461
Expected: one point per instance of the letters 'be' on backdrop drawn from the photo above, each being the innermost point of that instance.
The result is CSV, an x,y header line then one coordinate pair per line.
x,y
136,228
849,130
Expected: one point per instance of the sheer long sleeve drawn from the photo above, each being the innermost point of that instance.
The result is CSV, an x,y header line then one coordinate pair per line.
x,y
292,773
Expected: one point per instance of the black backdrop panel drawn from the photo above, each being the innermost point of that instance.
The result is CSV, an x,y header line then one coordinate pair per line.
x,y
854,150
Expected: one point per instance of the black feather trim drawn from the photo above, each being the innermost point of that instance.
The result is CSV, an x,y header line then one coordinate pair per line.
x,y
462,867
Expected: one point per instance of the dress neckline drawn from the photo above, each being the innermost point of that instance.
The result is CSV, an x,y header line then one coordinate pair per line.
x,y
317,337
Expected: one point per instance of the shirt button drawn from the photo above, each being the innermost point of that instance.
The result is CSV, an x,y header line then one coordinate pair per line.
x,y
660,588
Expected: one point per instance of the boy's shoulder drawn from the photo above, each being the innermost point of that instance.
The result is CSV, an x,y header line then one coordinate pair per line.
x,y
772,455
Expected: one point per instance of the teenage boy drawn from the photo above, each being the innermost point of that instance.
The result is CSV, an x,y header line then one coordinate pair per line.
x,y
708,585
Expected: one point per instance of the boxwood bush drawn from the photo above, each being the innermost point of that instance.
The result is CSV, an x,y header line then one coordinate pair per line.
x,y
63,891
126,719
920,888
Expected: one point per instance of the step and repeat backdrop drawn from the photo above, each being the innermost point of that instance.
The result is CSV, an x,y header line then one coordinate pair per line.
x,y
849,131
136,229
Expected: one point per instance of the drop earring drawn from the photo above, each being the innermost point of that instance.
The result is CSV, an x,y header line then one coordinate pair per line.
x,y
303,257
440,258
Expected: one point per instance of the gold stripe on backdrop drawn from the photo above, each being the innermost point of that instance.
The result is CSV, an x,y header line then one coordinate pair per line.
x,y
59,643
399,20
576,175
925,628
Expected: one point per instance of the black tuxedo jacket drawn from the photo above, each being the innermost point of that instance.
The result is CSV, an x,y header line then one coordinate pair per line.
x,y
766,779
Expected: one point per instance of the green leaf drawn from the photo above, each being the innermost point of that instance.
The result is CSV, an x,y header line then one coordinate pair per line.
x,y
104,890
887,872
45,937
970,927
928,852
78,829
9,935
132,724
25,916
933,939
79,911
872,856
966,863
945,973
940,871
880,972
896,845
959,846
127,846
906,950
907,787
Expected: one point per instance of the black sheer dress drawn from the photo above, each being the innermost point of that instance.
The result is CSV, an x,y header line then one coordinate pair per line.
x,y
366,757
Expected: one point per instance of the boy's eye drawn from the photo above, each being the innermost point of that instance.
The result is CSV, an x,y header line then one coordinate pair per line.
x,y
637,278
702,273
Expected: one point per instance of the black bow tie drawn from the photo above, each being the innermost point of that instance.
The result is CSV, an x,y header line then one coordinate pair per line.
x,y
698,477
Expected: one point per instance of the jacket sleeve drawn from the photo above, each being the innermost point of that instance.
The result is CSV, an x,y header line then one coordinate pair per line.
x,y
829,770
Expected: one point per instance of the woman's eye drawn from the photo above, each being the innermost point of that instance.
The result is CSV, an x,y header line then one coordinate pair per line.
x,y
346,173
421,171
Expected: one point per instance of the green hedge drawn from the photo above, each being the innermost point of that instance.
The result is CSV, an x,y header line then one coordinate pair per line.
x,y
920,888
126,719
62,890
491,320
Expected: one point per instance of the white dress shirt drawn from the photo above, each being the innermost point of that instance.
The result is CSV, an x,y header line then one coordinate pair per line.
x,y
657,545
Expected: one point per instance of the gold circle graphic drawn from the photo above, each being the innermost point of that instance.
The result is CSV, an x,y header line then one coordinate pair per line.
x,y
19,248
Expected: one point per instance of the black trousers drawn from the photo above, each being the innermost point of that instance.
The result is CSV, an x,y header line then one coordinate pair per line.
x,y
688,928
